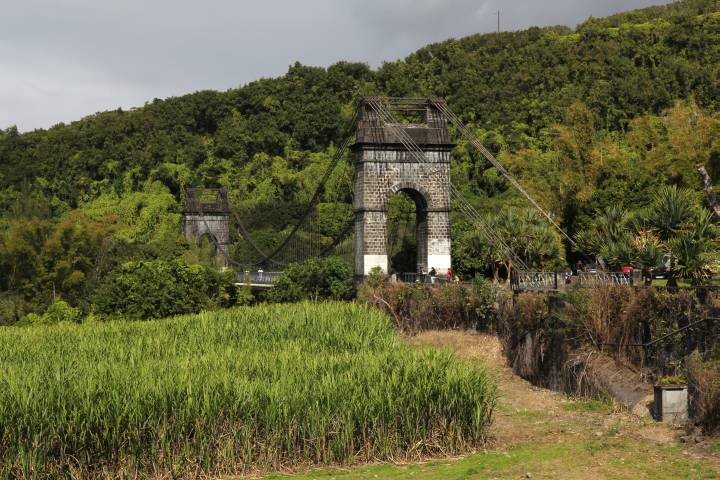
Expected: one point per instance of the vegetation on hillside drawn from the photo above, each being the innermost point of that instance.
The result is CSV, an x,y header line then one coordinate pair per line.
x,y
673,223
221,393
601,116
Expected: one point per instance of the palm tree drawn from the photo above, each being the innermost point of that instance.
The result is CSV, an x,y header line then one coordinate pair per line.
x,y
695,251
673,223
686,232
671,211
529,236
610,236
648,250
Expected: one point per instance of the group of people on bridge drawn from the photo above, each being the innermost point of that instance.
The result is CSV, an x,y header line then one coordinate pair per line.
x,y
422,276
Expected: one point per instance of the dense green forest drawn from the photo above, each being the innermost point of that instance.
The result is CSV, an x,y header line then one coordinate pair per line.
x,y
604,124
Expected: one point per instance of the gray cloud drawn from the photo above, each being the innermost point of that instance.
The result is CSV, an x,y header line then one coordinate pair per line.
x,y
60,61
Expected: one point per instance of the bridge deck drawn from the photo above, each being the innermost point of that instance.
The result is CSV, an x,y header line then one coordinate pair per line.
x,y
254,285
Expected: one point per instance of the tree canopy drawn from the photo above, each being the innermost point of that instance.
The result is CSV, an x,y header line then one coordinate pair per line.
x,y
600,117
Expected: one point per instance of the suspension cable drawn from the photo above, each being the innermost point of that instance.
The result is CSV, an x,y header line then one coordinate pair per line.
x,y
271,257
498,166
318,191
387,118
377,105
467,208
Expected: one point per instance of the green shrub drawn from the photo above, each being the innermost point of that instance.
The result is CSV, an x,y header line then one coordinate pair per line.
x,y
484,295
13,308
244,296
375,279
61,311
314,279
160,288
704,382
672,380
58,311
29,319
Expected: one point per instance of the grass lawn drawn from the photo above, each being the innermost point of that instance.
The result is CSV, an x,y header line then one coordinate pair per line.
x,y
662,282
601,457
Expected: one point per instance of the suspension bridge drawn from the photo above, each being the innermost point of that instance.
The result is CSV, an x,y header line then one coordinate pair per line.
x,y
396,145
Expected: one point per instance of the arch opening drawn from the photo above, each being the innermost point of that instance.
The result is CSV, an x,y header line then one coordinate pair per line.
x,y
407,232
207,249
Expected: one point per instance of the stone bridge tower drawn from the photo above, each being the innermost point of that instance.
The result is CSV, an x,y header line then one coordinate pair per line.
x,y
207,214
383,167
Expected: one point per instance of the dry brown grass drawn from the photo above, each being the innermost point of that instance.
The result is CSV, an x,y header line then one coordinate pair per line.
x,y
704,379
419,307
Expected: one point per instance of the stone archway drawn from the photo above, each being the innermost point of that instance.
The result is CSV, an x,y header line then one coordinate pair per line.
x,y
383,167
419,263
207,214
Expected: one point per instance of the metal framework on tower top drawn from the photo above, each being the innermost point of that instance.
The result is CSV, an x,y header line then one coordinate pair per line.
x,y
206,200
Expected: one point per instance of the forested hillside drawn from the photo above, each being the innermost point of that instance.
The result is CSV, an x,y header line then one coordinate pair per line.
x,y
600,116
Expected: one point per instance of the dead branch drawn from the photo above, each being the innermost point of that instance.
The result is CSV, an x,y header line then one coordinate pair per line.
x,y
709,191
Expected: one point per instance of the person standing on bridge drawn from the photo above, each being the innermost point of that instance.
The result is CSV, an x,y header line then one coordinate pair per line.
x,y
647,276
433,275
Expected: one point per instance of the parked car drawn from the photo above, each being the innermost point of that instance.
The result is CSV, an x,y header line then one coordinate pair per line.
x,y
663,267
592,268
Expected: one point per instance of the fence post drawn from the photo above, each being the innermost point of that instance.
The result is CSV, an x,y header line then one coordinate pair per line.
x,y
556,279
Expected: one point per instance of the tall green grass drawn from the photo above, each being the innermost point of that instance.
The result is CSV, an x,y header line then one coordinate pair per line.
x,y
226,392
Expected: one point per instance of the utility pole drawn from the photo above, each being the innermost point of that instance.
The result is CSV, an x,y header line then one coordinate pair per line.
x,y
498,15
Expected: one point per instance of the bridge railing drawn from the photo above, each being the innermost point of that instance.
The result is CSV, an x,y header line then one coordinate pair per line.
x,y
410,277
521,281
597,279
258,278
535,280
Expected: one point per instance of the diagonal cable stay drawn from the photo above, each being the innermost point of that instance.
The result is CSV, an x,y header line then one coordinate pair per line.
x,y
378,106
469,136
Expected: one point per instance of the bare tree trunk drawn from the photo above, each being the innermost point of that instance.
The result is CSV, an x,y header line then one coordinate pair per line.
x,y
711,197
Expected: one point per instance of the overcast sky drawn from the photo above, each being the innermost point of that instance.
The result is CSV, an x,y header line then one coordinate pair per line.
x,y
62,60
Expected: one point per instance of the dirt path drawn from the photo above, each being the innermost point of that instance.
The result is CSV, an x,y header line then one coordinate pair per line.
x,y
529,416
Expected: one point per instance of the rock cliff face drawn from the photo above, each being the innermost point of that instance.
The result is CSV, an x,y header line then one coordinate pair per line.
x,y
551,340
